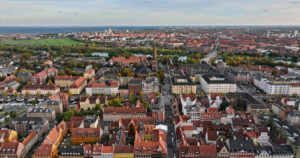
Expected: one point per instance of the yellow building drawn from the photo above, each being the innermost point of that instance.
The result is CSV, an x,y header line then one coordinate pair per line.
x,y
52,141
8,136
87,103
79,136
123,151
89,73
183,85
78,85
65,81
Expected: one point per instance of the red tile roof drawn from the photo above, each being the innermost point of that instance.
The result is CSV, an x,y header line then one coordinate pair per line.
x,y
130,60
85,132
9,147
90,71
27,140
212,135
123,149
208,151
43,150
78,83
107,149
124,110
43,87
72,78
4,133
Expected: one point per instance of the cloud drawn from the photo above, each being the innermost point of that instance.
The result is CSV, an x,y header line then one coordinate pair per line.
x,y
294,2
265,10
148,12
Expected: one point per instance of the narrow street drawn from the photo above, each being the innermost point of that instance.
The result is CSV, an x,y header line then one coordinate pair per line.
x,y
166,97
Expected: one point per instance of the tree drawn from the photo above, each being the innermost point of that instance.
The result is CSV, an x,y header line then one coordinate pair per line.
x,y
126,72
122,97
2,78
4,93
146,105
97,107
294,58
38,94
115,102
68,72
274,73
61,73
26,56
160,75
222,94
50,82
157,93
27,94
142,96
69,93
295,95
17,79
13,114
6,119
223,106
135,65
202,94
132,98
16,93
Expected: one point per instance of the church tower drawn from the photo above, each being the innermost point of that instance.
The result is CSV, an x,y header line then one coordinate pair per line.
x,y
154,60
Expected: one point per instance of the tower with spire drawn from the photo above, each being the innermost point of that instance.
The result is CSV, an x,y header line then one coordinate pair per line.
x,y
154,60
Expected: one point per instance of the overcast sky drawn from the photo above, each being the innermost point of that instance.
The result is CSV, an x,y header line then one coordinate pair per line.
x,y
148,12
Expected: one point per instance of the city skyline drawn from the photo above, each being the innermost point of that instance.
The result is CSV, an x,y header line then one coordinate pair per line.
x,y
148,12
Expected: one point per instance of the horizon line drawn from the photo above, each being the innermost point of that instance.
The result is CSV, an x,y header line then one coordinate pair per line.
x,y
272,25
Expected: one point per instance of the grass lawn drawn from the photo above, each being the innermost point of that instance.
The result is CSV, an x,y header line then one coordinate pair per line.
x,y
49,42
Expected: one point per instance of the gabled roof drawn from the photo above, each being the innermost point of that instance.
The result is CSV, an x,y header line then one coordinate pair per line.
x,y
43,150
123,149
31,135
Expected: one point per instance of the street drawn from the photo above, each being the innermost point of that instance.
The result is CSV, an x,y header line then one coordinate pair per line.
x,y
166,97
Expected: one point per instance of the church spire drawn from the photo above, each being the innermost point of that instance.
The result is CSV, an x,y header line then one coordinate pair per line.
x,y
154,60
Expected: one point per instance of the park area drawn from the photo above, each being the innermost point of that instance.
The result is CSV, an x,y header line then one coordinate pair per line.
x,y
49,42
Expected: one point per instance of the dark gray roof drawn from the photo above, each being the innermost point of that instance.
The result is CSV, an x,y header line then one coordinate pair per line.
x,y
223,79
260,149
41,110
24,74
239,144
251,101
143,70
70,151
90,118
135,82
282,150
27,120
188,79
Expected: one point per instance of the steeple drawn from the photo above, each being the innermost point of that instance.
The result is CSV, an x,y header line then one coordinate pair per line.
x,y
154,60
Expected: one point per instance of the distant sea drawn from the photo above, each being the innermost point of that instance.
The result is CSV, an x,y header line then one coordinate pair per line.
x,y
49,30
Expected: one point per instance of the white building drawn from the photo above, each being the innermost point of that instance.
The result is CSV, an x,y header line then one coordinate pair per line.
x,y
191,108
263,136
41,89
294,118
108,88
217,83
276,87
150,85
